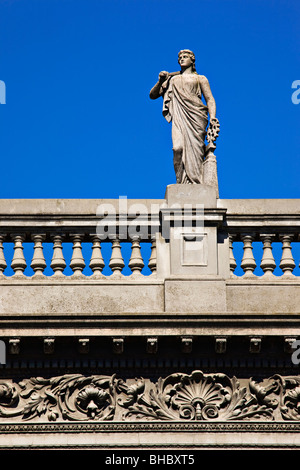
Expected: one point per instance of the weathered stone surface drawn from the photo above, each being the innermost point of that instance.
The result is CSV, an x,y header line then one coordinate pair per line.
x,y
191,194
278,297
195,296
175,295
259,207
75,299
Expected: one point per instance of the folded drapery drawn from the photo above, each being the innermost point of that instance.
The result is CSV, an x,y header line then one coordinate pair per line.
x,y
184,107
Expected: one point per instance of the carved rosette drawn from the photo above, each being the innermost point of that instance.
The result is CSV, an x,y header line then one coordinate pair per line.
x,y
178,397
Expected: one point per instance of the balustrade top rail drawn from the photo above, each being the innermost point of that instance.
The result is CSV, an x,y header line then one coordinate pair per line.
x,y
236,209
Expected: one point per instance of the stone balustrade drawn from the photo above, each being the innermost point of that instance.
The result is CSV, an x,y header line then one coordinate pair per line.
x,y
150,256
271,266
264,238
58,239
57,255
40,239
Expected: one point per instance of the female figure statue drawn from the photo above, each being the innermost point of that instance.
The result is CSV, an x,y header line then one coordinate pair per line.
x,y
182,92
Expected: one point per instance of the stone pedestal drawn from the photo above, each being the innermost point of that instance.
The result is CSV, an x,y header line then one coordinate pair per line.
x,y
192,242
210,174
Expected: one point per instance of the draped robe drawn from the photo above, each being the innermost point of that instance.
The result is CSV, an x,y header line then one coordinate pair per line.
x,y
183,106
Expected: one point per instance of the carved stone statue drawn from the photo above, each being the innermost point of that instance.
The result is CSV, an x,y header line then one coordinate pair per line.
x,y
182,104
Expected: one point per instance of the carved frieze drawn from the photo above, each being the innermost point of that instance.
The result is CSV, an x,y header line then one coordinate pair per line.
x,y
179,397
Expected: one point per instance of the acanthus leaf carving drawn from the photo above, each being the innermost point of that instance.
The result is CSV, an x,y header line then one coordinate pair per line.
x,y
289,397
178,397
71,397
200,396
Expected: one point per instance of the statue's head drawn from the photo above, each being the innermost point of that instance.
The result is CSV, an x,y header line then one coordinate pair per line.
x,y
187,57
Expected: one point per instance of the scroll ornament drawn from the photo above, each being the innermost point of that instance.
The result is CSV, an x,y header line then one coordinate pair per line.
x,y
178,397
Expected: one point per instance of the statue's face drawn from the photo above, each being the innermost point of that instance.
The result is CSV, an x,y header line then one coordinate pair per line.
x,y
185,60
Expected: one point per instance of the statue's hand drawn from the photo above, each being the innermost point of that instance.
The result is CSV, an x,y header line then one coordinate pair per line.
x,y
163,76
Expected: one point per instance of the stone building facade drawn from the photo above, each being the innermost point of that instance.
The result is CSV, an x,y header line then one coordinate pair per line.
x,y
150,324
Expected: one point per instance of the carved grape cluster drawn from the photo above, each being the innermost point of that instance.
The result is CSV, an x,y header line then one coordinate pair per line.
x,y
213,131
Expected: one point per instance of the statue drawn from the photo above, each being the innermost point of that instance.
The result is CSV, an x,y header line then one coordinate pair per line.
x,y
182,92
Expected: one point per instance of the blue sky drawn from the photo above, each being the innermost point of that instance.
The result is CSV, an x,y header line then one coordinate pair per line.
x,y
78,121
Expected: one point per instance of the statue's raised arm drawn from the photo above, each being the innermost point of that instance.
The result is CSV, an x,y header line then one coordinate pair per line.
x,y
183,106
161,85
156,91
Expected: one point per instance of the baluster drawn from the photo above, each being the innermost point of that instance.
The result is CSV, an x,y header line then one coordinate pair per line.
x,y
38,263
287,263
18,263
248,263
152,259
77,263
96,263
232,261
116,263
136,262
3,264
267,262
58,263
